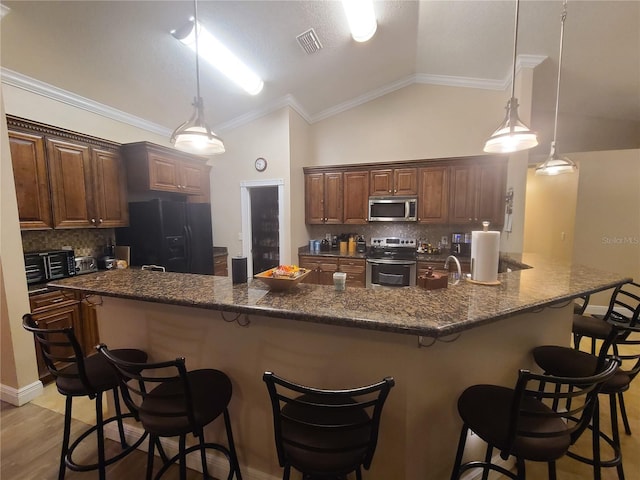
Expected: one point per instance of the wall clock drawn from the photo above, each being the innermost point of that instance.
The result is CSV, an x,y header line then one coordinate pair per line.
x,y
261,164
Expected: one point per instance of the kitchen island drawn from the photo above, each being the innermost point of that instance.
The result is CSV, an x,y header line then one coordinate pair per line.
x,y
434,343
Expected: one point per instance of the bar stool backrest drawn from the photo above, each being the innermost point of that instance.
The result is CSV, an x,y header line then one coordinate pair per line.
x,y
164,411
624,305
61,353
570,399
627,349
315,423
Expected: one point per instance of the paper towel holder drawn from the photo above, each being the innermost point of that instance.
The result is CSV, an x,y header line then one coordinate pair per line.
x,y
485,226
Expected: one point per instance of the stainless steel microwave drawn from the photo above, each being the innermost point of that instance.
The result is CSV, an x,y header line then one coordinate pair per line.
x,y
393,209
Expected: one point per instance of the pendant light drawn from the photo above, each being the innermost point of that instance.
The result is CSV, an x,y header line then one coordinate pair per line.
x,y
194,135
512,135
555,165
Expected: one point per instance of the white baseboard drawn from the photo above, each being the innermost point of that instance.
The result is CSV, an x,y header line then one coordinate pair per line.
x,y
216,464
19,397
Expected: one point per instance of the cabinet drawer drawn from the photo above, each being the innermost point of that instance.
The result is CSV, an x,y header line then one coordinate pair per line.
x,y
57,298
355,267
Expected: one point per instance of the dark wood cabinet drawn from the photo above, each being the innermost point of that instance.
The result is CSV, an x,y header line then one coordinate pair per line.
x,y
322,269
477,193
355,268
433,195
153,167
31,177
356,197
220,266
394,181
53,310
323,198
65,179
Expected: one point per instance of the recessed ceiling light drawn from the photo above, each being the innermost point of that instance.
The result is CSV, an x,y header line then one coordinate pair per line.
x,y
218,55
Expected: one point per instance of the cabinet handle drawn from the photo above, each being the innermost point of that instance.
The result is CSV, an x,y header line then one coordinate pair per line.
x,y
100,220
93,220
56,300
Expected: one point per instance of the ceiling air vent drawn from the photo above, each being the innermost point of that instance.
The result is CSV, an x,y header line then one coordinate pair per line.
x,y
309,41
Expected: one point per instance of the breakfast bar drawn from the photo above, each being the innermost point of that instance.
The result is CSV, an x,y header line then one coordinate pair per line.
x,y
434,343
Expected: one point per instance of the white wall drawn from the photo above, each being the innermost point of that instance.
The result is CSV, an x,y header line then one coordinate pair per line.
x,y
300,146
607,227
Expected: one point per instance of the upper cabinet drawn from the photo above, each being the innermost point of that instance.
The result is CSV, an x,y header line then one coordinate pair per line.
x,y
449,190
31,179
65,179
323,197
157,168
393,181
356,197
433,195
477,193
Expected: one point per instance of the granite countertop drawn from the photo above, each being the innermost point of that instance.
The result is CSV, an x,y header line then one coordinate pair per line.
x,y
407,310
427,257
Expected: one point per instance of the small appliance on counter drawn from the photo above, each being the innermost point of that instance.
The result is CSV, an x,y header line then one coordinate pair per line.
x,y
49,265
461,244
361,244
86,265
107,263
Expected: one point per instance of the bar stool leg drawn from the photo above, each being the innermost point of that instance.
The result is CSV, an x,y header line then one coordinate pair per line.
x,y
152,443
235,464
615,435
595,425
458,461
487,461
552,470
100,435
623,412
183,457
203,456
116,401
521,469
66,436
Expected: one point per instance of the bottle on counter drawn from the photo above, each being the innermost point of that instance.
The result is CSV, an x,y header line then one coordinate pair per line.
x,y
352,244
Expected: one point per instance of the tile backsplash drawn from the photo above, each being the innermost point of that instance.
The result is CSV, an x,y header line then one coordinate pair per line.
x,y
83,241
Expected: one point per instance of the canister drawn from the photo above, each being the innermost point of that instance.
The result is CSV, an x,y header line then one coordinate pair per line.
x,y
344,247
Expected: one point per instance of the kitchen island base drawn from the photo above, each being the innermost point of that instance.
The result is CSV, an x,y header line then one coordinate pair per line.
x,y
420,424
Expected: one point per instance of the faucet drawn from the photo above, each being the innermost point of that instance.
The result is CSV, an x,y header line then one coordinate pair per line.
x,y
446,267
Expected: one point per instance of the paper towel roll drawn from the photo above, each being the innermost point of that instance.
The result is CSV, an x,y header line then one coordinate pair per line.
x,y
485,252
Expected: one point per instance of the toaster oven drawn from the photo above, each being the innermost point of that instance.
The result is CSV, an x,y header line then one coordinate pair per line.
x,y
41,267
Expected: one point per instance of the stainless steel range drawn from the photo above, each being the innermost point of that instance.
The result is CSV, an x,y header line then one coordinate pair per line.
x,y
391,262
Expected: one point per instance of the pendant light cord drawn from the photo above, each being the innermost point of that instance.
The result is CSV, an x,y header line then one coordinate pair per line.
x,y
195,26
562,19
515,50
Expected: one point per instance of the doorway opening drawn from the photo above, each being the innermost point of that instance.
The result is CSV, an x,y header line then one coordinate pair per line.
x,y
262,224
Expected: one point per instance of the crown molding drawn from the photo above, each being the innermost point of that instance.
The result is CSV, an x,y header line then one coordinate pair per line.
x,y
464,82
282,102
18,80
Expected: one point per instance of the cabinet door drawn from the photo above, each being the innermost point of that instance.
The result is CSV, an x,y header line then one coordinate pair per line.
x,y
220,267
309,263
433,195
405,181
333,198
381,182
314,198
193,176
356,197
355,270
462,194
326,270
31,179
490,196
110,189
164,173
55,318
71,185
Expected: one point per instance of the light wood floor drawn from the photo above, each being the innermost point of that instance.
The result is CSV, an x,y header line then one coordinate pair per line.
x,y
30,439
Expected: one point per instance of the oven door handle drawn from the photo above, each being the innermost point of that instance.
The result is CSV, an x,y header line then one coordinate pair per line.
x,y
385,261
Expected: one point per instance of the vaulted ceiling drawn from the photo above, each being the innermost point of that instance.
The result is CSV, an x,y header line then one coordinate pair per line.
x,y
120,53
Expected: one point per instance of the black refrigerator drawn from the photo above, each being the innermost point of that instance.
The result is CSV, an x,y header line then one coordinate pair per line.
x,y
175,235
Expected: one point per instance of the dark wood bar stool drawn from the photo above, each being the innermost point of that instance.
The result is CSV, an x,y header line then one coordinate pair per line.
x,y
170,401
325,434
625,341
80,376
537,420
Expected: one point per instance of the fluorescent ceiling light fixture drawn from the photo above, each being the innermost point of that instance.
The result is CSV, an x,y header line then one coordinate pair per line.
x,y
214,52
361,18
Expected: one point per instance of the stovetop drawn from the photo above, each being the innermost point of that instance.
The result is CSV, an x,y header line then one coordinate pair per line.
x,y
393,248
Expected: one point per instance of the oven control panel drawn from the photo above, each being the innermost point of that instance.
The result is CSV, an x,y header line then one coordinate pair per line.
x,y
393,242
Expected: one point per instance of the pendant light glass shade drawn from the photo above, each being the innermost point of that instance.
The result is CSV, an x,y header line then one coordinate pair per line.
x,y
556,165
194,135
512,135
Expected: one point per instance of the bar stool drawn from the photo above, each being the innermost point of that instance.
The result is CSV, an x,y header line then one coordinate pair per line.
x,y
537,420
325,434
559,360
79,376
170,401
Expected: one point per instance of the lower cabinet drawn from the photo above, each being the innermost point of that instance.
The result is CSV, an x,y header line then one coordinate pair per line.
x,y
323,268
58,309
220,267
